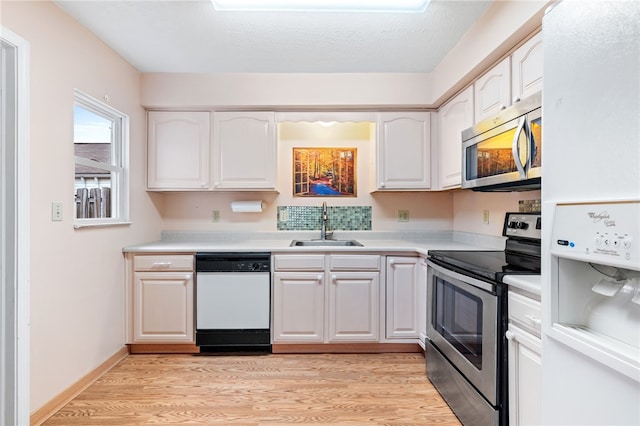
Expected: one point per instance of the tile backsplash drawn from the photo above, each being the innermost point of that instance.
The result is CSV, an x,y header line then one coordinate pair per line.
x,y
526,206
309,218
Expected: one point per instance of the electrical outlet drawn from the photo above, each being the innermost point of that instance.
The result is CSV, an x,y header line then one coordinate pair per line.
x,y
403,215
56,212
485,216
215,216
284,215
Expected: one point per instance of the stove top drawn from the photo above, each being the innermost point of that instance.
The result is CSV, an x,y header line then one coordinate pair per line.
x,y
521,256
490,265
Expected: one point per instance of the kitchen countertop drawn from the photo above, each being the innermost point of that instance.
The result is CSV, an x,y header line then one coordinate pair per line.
x,y
528,283
388,242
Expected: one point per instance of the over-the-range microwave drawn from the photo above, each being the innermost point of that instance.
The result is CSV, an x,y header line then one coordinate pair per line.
x,y
504,152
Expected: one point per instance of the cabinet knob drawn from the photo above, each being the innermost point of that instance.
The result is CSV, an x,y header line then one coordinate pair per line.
x,y
381,184
187,277
334,278
319,278
516,100
503,107
392,261
509,335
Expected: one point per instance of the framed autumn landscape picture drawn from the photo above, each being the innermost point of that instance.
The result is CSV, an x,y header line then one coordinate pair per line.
x,y
324,172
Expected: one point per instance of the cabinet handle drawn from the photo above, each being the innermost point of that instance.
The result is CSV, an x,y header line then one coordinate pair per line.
x,y
509,335
161,265
534,320
187,277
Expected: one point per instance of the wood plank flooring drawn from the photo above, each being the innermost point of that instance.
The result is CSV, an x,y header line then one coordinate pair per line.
x,y
351,389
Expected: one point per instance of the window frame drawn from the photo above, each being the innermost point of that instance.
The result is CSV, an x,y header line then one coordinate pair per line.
x,y
119,165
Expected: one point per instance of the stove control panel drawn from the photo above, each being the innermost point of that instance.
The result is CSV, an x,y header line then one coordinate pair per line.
x,y
523,225
607,233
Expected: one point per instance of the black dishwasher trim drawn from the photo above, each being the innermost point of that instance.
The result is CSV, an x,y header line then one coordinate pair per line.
x,y
233,340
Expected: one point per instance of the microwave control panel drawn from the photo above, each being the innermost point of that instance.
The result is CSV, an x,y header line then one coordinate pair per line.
x,y
607,233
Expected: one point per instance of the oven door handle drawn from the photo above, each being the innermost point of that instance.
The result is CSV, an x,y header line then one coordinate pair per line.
x,y
483,285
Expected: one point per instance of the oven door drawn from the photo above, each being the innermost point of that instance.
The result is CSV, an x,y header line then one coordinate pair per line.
x,y
463,326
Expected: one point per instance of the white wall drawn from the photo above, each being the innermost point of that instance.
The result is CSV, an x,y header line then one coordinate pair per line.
x,y
468,207
77,290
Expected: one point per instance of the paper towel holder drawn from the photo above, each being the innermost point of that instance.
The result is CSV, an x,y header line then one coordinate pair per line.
x,y
247,206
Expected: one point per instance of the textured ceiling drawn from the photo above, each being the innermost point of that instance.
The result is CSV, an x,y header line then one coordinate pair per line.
x,y
190,36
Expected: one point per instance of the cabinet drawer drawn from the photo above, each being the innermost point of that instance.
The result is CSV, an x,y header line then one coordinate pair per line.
x,y
360,262
163,262
525,311
299,262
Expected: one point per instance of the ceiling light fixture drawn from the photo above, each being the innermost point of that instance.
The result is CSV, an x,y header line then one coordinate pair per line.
x,y
322,5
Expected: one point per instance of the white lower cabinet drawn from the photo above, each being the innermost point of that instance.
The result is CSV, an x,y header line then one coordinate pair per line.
x,y
402,297
525,361
298,307
315,303
160,291
353,306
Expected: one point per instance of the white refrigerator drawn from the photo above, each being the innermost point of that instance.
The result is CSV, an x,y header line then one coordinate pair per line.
x,y
591,157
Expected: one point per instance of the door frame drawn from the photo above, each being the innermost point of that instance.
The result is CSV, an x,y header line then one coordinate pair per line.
x,y
17,244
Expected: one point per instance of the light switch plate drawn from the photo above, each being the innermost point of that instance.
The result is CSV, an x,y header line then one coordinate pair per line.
x,y
56,211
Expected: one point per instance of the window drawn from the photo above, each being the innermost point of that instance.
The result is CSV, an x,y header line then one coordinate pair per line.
x,y
101,147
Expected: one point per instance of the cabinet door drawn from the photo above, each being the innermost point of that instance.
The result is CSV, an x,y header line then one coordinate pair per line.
x,y
298,307
402,297
178,150
525,377
422,300
353,306
163,307
244,150
403,151
492,91
454,117
526,68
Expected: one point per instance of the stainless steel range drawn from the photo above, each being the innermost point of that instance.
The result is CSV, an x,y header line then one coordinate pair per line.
x,y
466,351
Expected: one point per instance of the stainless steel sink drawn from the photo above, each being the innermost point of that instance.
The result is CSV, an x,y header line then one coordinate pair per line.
x,y
325,243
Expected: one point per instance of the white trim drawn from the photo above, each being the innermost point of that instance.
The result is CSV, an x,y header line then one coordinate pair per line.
x,y
321,5
120,156
22,226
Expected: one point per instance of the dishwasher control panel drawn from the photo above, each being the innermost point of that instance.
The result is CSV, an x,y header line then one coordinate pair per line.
x,y
233,262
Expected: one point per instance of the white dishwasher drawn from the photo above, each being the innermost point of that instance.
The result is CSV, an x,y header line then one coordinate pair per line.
x,y
233,302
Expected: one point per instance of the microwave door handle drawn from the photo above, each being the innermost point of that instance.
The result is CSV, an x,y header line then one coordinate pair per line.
x,y
515,147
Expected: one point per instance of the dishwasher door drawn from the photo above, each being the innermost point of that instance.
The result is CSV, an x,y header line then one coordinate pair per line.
x,y
232,300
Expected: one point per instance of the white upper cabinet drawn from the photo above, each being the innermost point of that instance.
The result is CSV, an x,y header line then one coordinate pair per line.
x,y
178,150
526,68
403,151
454,117
244,151
492,91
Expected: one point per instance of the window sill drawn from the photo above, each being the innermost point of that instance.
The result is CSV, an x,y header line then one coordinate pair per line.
x,y
95,223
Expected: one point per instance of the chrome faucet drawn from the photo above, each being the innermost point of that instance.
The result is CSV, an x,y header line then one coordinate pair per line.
x,y
325,218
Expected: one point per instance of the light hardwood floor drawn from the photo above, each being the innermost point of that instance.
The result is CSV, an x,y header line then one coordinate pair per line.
x,y
353,389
